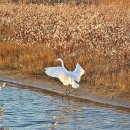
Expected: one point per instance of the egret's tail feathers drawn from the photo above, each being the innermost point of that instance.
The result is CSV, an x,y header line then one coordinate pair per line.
x,y
66,80
74,84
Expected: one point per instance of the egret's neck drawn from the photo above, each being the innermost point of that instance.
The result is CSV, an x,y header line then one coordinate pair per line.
x,y
62,63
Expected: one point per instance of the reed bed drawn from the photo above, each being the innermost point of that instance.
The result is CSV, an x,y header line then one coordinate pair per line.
x,y
97,37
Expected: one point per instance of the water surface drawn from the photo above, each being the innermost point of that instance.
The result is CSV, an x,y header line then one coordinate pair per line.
x,y
28,110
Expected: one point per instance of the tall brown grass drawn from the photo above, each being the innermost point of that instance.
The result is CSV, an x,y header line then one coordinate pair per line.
x,y
97,37
88,2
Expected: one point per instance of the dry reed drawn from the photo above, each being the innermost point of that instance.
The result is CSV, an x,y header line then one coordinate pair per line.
x,y
97,37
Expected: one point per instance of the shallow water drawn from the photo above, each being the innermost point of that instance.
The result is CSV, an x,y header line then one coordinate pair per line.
x,y
28,110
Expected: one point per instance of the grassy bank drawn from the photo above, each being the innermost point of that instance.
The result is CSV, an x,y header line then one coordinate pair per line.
x,y
97,37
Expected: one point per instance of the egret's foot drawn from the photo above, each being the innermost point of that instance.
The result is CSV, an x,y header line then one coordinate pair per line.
x,y
62,97
66,94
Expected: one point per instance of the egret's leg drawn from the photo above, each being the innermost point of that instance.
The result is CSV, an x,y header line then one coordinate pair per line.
x,y
66,91
69,91
65,94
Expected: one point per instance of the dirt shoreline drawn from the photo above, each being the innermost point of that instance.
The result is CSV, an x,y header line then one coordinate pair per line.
x,y
101,95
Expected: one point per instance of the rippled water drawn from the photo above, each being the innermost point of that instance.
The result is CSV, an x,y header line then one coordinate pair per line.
x,y
30,110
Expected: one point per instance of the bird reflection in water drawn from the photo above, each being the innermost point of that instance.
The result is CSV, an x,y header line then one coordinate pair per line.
x,y
65,115
54,125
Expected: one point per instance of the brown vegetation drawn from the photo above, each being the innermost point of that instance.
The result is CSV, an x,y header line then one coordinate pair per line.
x,y
33,36
88,2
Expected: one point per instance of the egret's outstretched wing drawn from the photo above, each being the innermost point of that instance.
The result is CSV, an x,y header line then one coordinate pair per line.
x,y
54,71
78,72
64,78
74,84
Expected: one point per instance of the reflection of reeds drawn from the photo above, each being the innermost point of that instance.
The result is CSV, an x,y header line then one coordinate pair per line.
x,y
4,128
2,111
96,37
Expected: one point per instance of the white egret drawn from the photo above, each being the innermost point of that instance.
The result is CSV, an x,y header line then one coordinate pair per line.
x,y
65,76
2,85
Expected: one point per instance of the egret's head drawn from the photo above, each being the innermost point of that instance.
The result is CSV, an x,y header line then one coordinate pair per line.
x,y
59,59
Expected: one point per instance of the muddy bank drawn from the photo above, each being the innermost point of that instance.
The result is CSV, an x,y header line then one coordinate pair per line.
x,y
101,95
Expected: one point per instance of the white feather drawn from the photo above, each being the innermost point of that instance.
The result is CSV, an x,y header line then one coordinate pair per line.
x,y
78,72
74,84
65,76
54,71
68,80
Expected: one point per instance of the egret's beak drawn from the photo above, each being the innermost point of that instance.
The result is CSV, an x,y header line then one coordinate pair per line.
x,y
57,59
